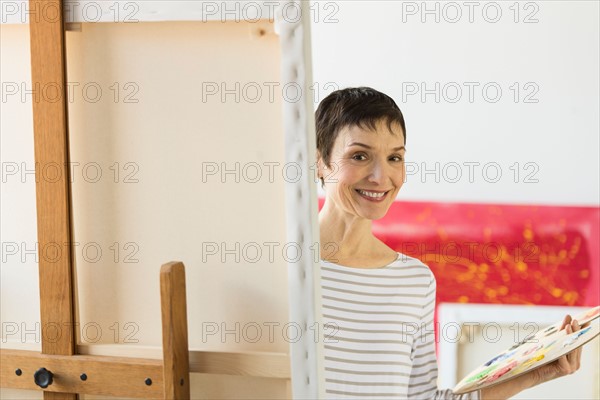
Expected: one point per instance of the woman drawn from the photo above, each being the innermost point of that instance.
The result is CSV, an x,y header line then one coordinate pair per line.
x,y
380,303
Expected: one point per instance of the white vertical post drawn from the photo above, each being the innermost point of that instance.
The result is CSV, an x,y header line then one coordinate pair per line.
x,y
293,26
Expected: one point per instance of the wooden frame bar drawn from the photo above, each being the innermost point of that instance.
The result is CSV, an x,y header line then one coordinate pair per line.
x,y
241,363
129,365
53,200
53,197
262,365
110,376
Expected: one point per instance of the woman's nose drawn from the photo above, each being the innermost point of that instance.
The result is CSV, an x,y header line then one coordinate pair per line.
x,y
378,172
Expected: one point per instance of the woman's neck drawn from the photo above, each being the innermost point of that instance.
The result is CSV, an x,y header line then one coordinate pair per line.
x,y
344,235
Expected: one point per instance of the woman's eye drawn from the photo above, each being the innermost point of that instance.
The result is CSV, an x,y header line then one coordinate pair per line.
x,y
359,157
398,158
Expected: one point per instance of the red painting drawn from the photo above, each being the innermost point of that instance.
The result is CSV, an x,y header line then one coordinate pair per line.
x,y
506,254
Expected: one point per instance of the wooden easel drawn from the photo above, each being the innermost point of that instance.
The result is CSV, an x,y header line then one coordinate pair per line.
x,y
59,368
146,373
114,376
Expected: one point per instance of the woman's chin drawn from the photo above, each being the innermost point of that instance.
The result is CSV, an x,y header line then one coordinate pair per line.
x,y
374,215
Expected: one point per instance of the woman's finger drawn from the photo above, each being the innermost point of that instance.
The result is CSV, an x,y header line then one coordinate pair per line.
x,y
573,358
576,359
566,322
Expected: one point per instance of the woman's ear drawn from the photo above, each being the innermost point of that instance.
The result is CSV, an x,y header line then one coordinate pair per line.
x,y
320,169
320,165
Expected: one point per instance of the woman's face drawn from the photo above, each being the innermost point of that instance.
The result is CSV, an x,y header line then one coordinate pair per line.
x,y
366,170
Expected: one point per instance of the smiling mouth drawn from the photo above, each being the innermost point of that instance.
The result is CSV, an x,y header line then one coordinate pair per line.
x,y
371,195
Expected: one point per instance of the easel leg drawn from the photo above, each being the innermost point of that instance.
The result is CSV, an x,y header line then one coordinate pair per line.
x,y
175,337
51,148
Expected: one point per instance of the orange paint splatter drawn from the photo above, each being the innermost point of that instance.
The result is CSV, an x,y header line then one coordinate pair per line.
x,y
521,266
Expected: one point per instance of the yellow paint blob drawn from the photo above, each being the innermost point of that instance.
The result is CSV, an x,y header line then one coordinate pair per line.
x,y
521,266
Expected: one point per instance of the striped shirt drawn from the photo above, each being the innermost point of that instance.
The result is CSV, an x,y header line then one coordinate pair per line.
x,y
379,338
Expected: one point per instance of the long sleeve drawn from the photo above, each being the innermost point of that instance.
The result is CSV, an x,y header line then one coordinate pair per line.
x,y
424,372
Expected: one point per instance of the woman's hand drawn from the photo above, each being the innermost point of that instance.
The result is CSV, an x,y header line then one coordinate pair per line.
x,y
565,365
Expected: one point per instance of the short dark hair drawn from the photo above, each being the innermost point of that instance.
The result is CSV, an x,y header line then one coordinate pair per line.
x,y
359,106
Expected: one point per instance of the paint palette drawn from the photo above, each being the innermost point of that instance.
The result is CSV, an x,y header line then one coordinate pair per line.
x,y
534,351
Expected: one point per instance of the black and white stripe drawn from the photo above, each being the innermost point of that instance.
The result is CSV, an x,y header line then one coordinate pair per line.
x,y
379,339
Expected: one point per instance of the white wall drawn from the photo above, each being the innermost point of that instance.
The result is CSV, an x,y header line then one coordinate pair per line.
x,y
386,45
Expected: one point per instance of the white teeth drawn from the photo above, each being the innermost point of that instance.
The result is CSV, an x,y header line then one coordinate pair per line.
x,y
371,194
